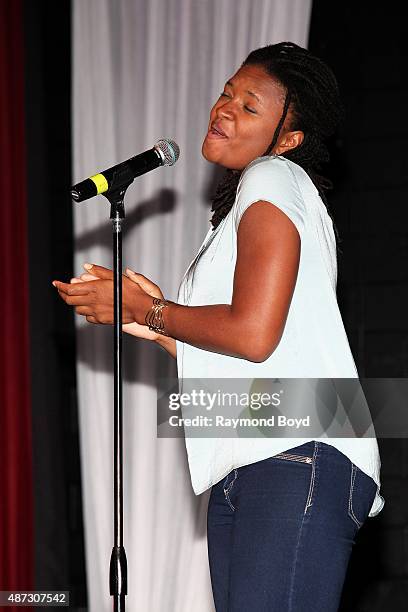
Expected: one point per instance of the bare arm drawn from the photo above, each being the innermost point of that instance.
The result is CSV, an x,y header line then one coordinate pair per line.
x,y
268,252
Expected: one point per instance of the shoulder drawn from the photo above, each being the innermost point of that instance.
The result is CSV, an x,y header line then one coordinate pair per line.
x,y
272,167
273,179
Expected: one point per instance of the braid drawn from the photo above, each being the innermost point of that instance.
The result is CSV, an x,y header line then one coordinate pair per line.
x,y
312,97
224,196
286,105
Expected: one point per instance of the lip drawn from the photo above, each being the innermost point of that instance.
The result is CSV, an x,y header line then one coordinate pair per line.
x,y
216,131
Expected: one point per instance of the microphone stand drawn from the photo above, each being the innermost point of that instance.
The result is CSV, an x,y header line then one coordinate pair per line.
x,y
164,153
118,562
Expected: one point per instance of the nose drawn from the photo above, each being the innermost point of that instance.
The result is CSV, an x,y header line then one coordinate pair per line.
x,y
226,110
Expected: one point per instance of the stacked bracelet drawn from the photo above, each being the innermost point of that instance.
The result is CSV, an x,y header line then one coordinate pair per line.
x,y
154,317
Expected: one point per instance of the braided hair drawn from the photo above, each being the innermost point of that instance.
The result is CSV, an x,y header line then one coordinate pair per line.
x,y
312,98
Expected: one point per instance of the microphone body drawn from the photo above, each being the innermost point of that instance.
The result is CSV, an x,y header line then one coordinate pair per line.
x,y
164,153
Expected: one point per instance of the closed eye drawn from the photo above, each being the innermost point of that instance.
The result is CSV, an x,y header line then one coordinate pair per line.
x,y
247,108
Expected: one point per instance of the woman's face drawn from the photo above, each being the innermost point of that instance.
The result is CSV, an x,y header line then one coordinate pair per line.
x,y
244,118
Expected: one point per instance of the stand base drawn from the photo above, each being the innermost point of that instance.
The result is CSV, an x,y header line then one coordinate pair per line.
x,y
118,577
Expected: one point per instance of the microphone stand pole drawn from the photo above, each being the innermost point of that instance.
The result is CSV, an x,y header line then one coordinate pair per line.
x,y
118,562
164,153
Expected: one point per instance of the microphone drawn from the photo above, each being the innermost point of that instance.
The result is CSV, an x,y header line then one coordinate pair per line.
x,y
164,153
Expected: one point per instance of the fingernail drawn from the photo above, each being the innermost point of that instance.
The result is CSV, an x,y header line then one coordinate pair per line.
x,y
88,266
130,271
53,282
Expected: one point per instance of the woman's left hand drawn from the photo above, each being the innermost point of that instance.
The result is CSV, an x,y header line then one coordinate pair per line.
x,y
94,299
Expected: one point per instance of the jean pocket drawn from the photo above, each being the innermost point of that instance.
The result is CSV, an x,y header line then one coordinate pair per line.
x,y
361,495
304,453
293,457
297,457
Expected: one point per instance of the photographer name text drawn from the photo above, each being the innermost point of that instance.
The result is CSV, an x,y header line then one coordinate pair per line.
x,y
221,421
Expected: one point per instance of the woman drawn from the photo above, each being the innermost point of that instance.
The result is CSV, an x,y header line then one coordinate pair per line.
x,y
259,301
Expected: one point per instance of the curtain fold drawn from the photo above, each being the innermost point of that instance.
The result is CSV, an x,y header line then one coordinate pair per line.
x,y
16,506
143,71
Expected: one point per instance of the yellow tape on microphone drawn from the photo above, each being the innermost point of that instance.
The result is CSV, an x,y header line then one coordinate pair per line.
x,y
100,182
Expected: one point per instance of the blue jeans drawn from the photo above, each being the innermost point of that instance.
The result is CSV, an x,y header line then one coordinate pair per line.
x,y
280,531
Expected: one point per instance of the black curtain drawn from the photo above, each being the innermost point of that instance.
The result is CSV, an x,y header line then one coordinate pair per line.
x,y
365,44
59,549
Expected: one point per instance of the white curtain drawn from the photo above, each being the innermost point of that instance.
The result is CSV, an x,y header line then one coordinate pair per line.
x,y
142,70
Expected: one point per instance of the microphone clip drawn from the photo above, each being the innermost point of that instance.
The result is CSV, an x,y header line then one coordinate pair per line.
x,y
116,193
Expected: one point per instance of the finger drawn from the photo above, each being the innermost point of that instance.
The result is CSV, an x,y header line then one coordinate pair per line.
x,y
144,282
135,275
84,311
91,319
75,300
71,289
140,279
98,271
82,278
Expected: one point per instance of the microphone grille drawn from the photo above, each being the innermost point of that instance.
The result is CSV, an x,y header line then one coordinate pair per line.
x,y
169,151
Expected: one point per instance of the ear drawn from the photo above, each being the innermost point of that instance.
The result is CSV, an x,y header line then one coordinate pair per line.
x,y
288,141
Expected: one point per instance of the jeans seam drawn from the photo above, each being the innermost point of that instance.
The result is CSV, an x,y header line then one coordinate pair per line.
x,y
292,580
350,504
227,490
312,478
304,518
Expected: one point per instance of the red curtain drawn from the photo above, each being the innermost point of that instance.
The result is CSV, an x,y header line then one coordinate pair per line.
x,y
16,498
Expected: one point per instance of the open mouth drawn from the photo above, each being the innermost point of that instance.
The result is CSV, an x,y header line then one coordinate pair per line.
x,y
216,132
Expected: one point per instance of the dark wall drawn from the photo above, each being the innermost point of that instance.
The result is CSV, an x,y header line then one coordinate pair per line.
x,y
59,551
365,44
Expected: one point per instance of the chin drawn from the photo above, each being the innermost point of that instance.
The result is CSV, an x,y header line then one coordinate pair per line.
x,y
209,155
215,156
